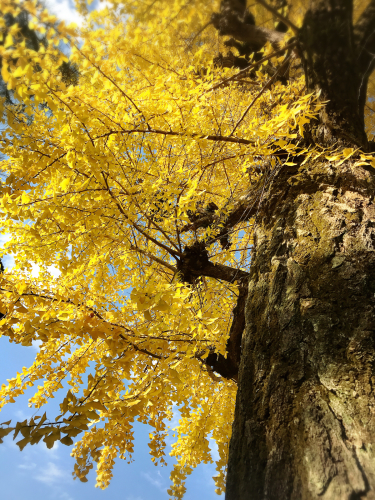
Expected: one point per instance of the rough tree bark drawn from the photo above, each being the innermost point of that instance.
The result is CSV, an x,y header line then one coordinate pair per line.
x,y
304,425
305,413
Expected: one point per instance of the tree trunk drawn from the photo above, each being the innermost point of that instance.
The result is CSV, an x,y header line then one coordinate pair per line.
x,y
332,68
304,425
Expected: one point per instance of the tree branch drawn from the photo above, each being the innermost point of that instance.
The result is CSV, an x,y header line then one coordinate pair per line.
x,y
195,263
279,16
228,367
229,24
188,135
244,209
280,70
152,257
244,72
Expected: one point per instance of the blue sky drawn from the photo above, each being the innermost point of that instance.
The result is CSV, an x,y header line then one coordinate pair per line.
x,y
39,473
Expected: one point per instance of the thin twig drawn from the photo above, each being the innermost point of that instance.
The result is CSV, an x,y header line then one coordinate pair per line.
x,y
197,34
267,86
152,257
277,14
253,65
218,138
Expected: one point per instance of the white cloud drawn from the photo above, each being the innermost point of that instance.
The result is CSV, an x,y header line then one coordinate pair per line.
x,y
55,446
102,5
35,270
51,474
158,483
8,259
55,273
36,344
4,238
21,415
65,11
52,453
27,466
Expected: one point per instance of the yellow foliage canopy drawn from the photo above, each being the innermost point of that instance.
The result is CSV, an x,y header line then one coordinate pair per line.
x,y
101,182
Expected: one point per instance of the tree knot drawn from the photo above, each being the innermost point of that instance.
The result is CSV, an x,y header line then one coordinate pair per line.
x,y
193,261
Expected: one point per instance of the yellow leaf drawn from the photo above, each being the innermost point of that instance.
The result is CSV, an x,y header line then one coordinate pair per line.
x,y
64,184
8,41
147,315
25,198
162,306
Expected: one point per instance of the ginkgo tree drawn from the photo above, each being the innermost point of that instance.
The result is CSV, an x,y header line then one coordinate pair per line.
x,y
199,163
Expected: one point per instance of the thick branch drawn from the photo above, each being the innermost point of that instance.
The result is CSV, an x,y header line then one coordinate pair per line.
x,y
244,72
277,14
228,367
244,209
221,272
152,257
230,24
194,263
